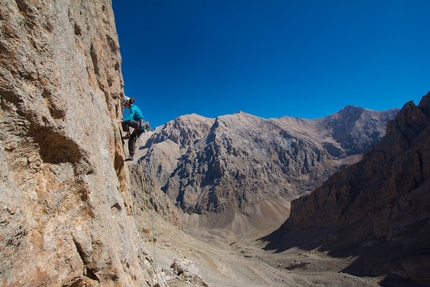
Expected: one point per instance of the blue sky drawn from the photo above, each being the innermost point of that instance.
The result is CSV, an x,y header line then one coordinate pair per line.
x,y
272,58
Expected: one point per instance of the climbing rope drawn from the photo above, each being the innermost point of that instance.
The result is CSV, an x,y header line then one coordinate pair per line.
x,y
152,218
152,226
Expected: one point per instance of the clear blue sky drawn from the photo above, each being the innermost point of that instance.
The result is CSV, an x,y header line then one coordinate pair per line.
x,y
270,58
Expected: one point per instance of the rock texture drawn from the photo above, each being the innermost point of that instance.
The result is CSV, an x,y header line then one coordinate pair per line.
x,y
378,208
65,201
243,170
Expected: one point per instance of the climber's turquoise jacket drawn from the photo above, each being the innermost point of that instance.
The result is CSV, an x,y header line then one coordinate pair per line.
x,y
135,114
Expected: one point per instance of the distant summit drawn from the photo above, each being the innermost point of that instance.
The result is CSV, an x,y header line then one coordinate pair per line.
x,y
244,170
356,129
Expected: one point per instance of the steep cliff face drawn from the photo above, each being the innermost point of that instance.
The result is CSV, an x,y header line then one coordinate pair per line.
x,y
378,206
244,170
64,199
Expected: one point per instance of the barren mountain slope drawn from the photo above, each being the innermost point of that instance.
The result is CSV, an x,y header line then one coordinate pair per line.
x,y
239,171
377,209
219,258
351,131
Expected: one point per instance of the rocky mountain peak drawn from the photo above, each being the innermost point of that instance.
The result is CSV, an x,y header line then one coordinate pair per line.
x,y
357,129
378,207
183,130
234,163
351,110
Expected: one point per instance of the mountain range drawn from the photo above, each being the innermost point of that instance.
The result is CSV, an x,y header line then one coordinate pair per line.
x,y
208,200
244,170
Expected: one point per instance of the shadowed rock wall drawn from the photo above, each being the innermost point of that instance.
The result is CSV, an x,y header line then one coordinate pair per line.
x,y
377,210
64,200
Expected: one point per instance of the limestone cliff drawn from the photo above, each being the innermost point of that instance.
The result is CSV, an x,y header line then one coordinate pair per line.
x,y
65,199
377,209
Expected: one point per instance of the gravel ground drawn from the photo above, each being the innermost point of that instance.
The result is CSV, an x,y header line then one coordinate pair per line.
x,y
226,260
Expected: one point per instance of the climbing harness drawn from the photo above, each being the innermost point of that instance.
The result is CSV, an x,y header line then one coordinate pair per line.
x,y
144,127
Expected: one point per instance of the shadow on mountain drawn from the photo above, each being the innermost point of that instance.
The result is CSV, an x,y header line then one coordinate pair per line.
x,y
376,211
404,263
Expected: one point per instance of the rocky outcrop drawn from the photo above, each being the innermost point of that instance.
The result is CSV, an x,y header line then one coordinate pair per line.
x,y
243,169
65,200
377,208
184,272
355,129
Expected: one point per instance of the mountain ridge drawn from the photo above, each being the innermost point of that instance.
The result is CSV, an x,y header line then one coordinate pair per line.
x,y
376,208
234,162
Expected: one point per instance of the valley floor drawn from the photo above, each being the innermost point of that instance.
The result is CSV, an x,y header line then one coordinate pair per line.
x,y
224,260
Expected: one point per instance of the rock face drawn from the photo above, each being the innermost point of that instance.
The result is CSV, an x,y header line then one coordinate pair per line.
x,y
65,202
244,169
378,208
355,129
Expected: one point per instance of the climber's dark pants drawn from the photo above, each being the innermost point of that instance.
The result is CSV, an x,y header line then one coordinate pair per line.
x,y
134,136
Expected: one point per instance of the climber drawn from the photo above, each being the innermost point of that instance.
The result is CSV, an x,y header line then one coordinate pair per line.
x,y
134,120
